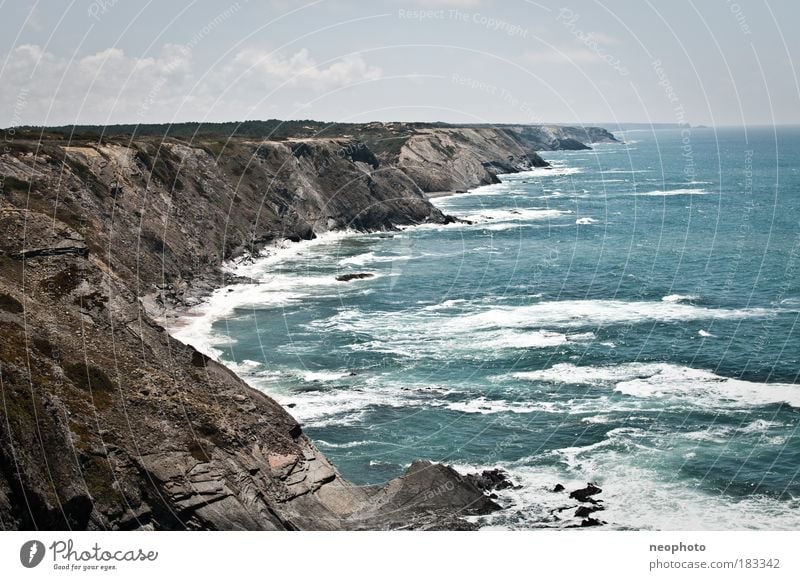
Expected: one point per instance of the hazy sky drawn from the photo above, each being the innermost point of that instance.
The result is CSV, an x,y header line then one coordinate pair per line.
x,y
715,62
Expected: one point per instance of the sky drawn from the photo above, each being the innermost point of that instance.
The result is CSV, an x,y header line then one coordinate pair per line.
x,y
710,62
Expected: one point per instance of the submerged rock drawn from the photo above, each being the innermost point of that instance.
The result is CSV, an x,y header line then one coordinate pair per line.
x,y
492,480
359,276
585,493
585,511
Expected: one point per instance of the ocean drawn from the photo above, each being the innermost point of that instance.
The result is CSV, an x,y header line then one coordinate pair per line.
x,y
627,317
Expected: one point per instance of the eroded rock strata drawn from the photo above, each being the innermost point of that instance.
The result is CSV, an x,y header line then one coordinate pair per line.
x,y
109,423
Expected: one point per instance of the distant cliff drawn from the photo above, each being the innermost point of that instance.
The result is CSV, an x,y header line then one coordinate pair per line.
x,y
108,422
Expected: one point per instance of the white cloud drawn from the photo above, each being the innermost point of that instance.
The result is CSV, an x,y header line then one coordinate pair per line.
x,y
301,70
37,87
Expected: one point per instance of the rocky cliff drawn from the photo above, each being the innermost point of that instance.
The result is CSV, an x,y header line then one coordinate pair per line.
x,y
552,137
451,159
109,423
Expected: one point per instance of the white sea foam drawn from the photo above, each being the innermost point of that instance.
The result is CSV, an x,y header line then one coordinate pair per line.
x,y
323,376
596,419
760,426
504,227
680,298
583,313
333,406
514,215
537,339
286,252
349,444
556,169
482,405
705,334
671,382
272,291
274,288
371,258
485,406
637,494
478,328
359,259
717,435
670,192
634,496
533,339
585,221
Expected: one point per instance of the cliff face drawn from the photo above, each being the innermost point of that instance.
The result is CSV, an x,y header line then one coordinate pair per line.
x,y
553,137
458,159
109,423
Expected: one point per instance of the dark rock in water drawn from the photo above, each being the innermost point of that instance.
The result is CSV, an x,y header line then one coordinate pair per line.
x,y
585,511
558,488
461,191
589,522
348,277
491,480
585,493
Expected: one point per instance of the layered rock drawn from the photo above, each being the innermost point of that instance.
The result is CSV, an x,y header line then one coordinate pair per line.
x,y
553,137
457,159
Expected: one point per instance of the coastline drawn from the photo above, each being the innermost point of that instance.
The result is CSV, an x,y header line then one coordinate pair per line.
x,y
192,325
178,428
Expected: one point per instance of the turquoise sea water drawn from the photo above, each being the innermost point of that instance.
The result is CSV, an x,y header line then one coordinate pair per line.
x,y
627,317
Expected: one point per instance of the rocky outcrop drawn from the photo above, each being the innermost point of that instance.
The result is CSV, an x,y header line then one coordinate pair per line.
x,y
446,159
554,137
109,423
427,496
